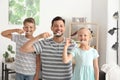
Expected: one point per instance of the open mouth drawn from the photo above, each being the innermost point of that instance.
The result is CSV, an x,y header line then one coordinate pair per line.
x,y
82,41
58,34
28,32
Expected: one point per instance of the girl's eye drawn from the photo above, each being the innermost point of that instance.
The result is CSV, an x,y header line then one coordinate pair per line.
x,y
80,35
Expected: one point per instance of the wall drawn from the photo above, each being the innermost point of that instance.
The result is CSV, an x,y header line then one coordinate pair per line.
x,y
102,13
65,8
48,9
99,15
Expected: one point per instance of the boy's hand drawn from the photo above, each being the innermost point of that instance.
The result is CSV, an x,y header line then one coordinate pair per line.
x,y
20,31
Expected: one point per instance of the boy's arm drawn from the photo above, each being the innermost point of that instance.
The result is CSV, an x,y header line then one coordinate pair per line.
x,y
96,69
8,33
38,67
28,46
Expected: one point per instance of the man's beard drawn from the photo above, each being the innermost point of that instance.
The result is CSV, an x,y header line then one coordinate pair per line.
x,y
58,35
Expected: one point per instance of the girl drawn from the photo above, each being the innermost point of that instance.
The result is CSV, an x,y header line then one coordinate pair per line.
x,y
86,57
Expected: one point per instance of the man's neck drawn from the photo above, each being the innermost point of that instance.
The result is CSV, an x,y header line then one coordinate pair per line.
x,y
58,39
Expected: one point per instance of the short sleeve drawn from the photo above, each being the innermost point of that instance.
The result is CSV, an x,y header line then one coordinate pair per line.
x,y
37,47
96,55
14,37
73,51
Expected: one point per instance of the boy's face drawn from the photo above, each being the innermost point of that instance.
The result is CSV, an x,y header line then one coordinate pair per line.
x,y
29,28
84,36
58,28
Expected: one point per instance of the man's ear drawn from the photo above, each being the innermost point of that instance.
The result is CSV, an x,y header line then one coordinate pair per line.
x,y
51,28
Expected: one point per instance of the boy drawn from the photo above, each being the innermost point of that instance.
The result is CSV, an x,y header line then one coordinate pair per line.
x,y
27,66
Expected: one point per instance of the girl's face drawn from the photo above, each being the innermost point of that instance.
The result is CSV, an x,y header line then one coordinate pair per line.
x,y
84,36
29,28
58,28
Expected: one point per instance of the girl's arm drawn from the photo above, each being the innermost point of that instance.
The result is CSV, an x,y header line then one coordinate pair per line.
x,y
96,69
66,57
38,67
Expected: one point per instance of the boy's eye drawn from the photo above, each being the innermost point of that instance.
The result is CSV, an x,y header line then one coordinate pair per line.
x,y
26,26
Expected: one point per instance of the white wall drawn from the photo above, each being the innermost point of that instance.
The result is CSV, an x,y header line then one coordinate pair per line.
x,y
99,15
103,11
48,10
65,8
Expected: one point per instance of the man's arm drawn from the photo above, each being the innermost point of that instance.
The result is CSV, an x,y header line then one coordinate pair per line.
x,y
28,46
8,33
38,67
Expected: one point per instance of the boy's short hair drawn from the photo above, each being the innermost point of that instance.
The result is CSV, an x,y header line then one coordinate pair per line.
x,y
31,20
56,19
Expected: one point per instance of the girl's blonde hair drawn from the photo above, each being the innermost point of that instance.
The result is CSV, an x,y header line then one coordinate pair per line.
x,y
85,27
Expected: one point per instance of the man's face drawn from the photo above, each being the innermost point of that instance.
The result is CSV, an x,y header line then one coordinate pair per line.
x,y
58,28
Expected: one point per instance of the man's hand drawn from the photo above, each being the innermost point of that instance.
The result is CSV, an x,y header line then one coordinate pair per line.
x,y
44,35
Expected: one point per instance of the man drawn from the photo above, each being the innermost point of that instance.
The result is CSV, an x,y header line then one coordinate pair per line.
x,y
51,51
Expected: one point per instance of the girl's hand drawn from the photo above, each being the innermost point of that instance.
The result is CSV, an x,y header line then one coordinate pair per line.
x,y
20,31
68,42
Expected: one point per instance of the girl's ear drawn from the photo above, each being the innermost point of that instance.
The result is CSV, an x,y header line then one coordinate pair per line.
x,y
90,36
